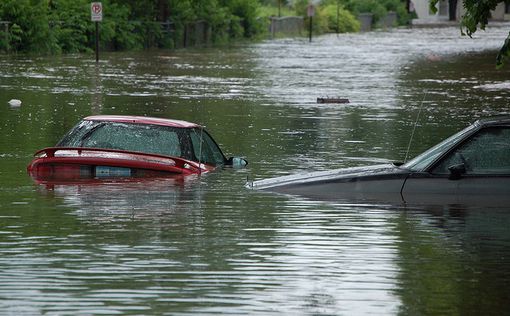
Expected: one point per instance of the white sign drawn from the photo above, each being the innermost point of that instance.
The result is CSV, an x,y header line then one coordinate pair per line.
x,y
96,11
310,10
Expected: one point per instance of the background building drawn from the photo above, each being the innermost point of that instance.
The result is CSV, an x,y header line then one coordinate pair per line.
x,y
450,11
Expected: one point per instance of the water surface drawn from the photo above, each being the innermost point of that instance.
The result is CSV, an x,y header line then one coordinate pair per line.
x,y
209,245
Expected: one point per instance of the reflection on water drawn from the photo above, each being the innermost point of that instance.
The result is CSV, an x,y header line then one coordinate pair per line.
x,y
452,259
210,246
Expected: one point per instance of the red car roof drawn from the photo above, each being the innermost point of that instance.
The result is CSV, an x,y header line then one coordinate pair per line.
x,y
142,120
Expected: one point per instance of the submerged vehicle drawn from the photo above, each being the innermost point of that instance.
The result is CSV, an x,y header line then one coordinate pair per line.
x,y
472,164
108,146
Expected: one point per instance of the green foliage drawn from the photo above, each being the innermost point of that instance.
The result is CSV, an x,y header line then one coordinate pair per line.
x,y
325,19
55,26
399,7
267,11
504,53
117,31
32,31
69,25
64,26
369,6
246,13
379,9
346,21
15,37
300,7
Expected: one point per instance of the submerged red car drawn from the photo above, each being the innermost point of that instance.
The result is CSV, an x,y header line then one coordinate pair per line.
x,y
109,146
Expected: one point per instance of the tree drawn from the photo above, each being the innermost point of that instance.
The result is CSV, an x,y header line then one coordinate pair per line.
x,y
477,16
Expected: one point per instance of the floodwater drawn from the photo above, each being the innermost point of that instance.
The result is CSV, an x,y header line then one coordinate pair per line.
x,y
211,246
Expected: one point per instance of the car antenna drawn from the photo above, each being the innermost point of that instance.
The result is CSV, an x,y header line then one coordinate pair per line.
x,y
200,150
414,127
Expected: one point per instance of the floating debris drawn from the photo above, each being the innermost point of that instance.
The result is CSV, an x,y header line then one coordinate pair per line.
x,y
14,103
332,100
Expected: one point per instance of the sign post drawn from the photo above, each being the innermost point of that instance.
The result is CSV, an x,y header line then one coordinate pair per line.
x,y
310,10
96,15
337,17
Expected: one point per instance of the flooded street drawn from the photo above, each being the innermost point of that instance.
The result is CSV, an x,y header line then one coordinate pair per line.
x,y
209,245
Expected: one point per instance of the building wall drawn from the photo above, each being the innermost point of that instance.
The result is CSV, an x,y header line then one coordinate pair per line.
x,y
421,8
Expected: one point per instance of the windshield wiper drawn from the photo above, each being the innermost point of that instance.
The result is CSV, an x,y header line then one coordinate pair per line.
x,y
90,132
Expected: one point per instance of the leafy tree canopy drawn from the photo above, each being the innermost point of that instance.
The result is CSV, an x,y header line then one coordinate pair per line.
x,y
64,26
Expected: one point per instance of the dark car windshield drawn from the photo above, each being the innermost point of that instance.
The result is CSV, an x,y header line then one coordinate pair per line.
x,y
154,139
486,152
424,160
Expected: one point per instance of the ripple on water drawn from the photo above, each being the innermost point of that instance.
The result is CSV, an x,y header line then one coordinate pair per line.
x,y
210,246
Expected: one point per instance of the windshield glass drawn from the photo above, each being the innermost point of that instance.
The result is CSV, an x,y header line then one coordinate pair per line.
x,y
205,148
154,139
424,160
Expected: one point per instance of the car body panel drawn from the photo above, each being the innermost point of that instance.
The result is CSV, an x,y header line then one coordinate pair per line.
x,y
44,166
485,185
441,173
141,120
425,183
359,183
482,191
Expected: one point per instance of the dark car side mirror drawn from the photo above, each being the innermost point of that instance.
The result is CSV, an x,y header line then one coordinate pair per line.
x,y
456,171
236,162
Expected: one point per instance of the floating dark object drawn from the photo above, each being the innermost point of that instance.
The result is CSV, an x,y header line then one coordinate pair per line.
x,y
332,100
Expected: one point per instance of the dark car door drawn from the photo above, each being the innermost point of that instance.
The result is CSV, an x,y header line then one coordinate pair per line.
x,y
478,168
425,187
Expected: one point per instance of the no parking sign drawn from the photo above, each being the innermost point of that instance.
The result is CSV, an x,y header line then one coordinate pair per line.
x,y
310,10
96,15
96,11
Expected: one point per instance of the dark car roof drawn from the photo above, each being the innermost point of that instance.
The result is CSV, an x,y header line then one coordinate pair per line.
x,y
494,120
142,120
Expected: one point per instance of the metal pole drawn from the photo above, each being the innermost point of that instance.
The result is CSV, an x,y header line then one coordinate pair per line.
x,y
7,44
310,31
97,41
273,27
337,17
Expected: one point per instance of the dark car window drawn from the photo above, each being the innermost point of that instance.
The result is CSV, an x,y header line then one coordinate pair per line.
x,y
425,159
73,137
486,152
205,148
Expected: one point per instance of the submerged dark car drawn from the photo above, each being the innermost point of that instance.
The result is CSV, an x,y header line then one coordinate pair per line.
x,y
474,163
